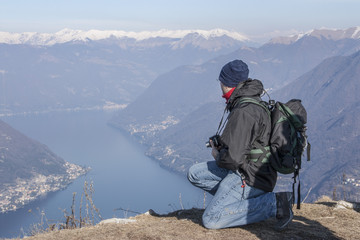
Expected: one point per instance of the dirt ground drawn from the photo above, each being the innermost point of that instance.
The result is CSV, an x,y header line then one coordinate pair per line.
x,y
313,221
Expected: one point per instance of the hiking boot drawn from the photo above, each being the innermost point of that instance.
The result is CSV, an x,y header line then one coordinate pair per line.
x,y
284,213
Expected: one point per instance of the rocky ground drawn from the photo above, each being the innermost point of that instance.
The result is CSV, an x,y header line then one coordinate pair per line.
x,y
322,220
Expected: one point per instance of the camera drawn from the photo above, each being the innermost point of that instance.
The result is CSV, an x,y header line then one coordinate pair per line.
x,y
216,141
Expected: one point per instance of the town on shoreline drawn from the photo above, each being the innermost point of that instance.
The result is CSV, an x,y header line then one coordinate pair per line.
x,y
24,191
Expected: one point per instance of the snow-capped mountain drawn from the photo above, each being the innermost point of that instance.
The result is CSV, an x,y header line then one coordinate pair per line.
x,y
69,35
106,66
87,69
330,34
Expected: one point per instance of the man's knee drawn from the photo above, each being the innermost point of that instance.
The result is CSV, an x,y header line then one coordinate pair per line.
x,y
191,175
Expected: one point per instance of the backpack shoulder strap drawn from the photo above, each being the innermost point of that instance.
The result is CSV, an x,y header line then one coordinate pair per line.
x,y
252,100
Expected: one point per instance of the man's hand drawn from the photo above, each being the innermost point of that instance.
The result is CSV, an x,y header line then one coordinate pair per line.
x,y
214,151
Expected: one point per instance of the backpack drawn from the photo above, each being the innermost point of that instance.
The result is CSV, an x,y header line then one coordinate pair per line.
x,y
288,139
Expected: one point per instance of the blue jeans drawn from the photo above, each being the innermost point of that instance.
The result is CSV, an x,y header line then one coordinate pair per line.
x,y
231,205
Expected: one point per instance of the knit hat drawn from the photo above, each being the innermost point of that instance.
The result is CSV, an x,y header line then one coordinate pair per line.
x,y
233,73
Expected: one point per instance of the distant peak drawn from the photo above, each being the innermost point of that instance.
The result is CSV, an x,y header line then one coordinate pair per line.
x,y
331,34
68,35
336,34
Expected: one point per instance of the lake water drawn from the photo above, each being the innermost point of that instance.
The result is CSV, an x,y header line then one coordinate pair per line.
x,y
123,177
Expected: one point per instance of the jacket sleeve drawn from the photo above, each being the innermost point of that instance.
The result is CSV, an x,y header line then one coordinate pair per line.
x,y
238,136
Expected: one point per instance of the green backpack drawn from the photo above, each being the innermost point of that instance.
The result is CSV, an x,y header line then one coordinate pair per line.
x,y
288,139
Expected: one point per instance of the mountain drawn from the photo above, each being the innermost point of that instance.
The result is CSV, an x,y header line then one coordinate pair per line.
x,y
69,35
177,93
170,98
179,111
75,69
330,34
183,144
279,63
28,169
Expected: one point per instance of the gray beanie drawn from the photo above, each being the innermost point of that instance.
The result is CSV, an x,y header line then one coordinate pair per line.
x,y
233,73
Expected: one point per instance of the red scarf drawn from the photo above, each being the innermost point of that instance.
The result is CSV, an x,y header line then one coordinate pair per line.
x,y
228,94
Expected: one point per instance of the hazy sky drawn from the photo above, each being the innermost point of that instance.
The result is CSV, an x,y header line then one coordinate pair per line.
x,y
250,17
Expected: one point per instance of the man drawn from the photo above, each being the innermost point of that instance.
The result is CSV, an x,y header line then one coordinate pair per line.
x,y
241,188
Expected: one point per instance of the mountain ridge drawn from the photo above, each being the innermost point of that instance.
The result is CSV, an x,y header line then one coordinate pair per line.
x,y
330,34
69,35
91,74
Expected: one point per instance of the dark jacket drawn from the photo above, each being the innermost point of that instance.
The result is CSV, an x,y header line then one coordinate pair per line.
x,y
247,123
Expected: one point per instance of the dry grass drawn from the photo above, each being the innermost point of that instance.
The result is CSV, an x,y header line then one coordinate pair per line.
x,y
312,221
87,215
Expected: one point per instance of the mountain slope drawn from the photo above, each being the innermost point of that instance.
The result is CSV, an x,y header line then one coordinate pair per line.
x,y
280,64
21,156
330,93
183,144
170,98
28,169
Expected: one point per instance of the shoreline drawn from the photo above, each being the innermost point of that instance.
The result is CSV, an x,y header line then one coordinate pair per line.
x,y
22,193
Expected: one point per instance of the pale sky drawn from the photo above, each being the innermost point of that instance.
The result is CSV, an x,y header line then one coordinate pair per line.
x,y
249,17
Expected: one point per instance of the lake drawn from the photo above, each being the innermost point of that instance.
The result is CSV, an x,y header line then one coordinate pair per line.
x,y
123,177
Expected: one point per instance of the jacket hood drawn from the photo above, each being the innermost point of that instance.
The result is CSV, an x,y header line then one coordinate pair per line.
x,y
248,88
